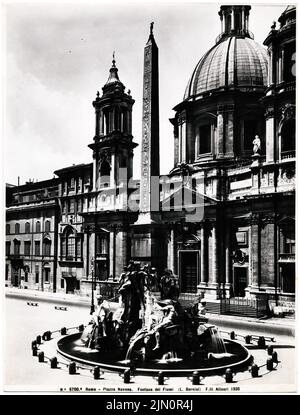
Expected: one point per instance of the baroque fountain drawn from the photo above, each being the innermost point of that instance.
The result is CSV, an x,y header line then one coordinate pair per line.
x,y
141,332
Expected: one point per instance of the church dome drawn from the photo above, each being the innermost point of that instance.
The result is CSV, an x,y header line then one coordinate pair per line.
x,y
236,61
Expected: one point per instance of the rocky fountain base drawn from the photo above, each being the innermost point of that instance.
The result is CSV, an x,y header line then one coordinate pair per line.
x,y
149,335
237,358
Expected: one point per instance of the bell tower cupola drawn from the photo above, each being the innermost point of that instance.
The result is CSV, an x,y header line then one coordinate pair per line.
x,y
113,141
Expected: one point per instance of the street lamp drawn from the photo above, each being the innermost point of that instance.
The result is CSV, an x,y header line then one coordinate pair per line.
x,y
92,302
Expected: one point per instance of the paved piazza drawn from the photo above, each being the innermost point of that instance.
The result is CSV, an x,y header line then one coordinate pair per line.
x,y
23,372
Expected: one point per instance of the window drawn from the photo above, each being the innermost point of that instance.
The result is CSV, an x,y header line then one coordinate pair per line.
x,y
289,62
288,137
47,247
17,228
205,139
72,184
63,247
27,227
37,274
16,247
104,174
62,283
38,226
6,271
289,244
71,246
7,229
37,248
78,248
47,226
71,206
27,247
102,245
7,248
79,205
78,185
47,274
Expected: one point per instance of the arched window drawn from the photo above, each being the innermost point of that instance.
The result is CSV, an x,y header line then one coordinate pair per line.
x,y
289,62
16,247
17,228
38,226
46,247
288,138
104,174
71,245
47,226
7,229
27,227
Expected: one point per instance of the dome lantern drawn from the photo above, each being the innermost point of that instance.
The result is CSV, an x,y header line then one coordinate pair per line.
x,y
234,21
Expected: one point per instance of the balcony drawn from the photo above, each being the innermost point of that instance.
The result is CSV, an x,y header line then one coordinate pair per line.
x,y
291,154
70,260
286,257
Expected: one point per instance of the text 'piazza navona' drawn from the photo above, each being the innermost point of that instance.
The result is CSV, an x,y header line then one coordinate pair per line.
x,y
222,221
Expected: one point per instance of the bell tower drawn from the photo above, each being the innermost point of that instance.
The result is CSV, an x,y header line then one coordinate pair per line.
x,y
113,141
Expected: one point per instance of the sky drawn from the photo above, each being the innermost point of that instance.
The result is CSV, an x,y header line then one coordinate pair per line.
x,y
57,55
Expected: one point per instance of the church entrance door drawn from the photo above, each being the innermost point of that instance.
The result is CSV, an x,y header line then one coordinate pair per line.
x,y
240,281
188,271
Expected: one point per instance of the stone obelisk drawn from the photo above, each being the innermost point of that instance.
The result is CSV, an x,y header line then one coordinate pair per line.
x,y
149,231
149,187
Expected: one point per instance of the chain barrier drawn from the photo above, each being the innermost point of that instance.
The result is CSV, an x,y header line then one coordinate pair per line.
x,y
271,363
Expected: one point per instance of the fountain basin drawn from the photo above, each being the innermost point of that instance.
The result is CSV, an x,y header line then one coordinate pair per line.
x,y
238,358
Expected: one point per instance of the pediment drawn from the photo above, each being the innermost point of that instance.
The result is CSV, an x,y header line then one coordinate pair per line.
x,y
185,197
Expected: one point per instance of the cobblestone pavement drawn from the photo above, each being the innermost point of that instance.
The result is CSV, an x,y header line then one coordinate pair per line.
x,y
23,372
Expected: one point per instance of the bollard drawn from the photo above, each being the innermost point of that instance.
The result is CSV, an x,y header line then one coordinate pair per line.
x,y
232,335
196,378
228,376
33,344
126,376
248,339
63,331
41,357
254,371
269,364
34,350
160,378
38,339
81,327
47,335
270,350
275,357
96,372
53,363
261,342
72,368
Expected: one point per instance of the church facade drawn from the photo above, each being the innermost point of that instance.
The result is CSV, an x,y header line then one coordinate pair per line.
x,y
223,219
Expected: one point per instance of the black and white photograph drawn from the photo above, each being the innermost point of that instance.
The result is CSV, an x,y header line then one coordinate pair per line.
x,y
149,177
